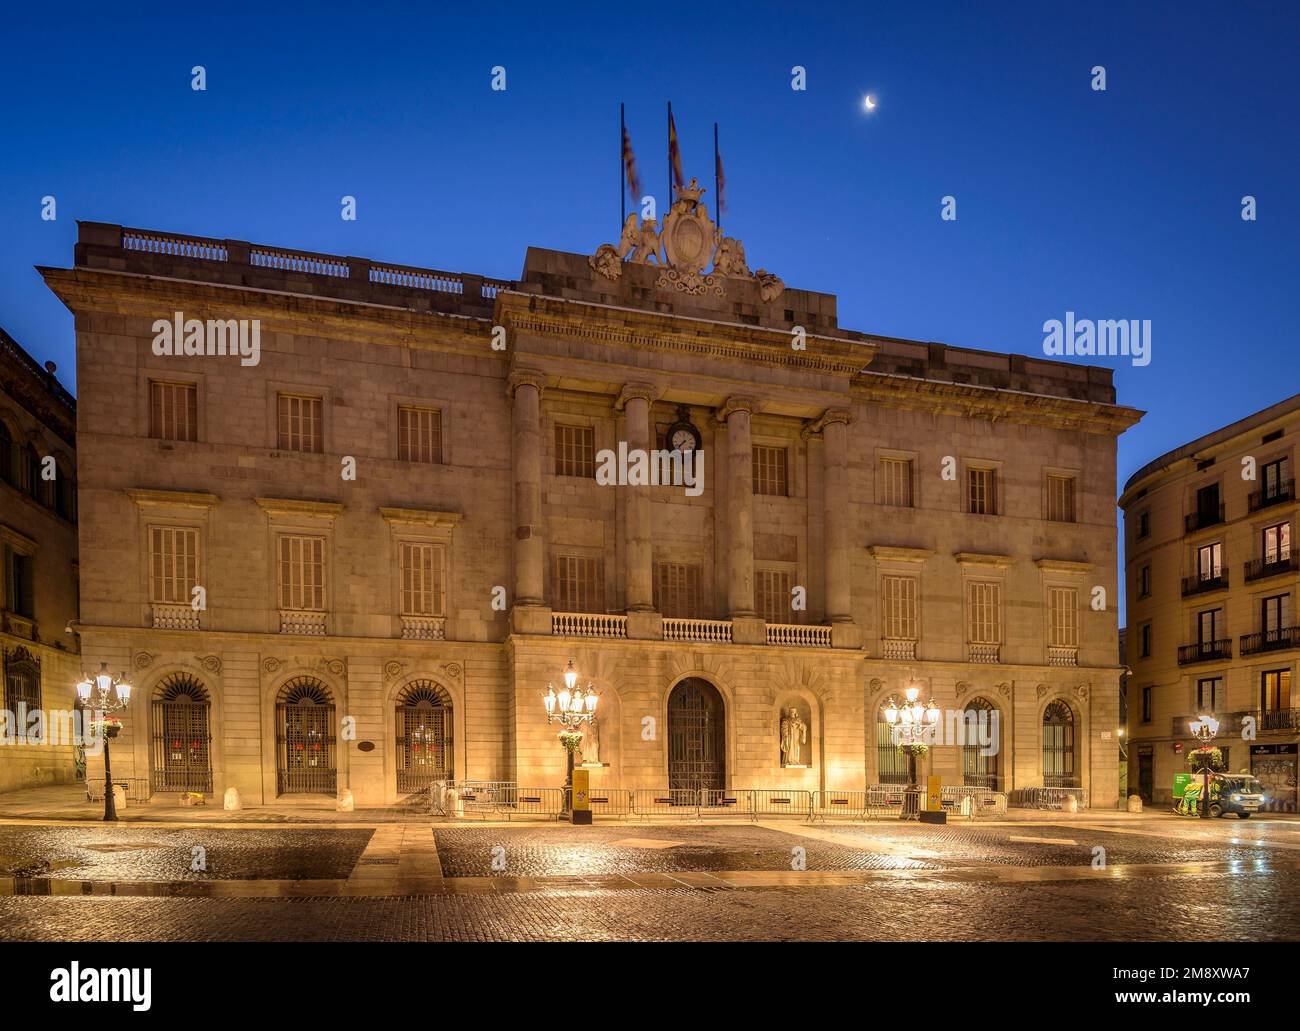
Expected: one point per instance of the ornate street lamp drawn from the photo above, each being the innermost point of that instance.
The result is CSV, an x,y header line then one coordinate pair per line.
x,y
105,694
571,707
1204,729
912,727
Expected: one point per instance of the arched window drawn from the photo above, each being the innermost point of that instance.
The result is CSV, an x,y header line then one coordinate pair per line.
x,y
891,763
182,738
981,744
1058,746
424,736
697,739
305,738
22,680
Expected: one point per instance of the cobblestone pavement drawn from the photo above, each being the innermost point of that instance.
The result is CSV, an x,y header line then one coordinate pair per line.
x,y
124,853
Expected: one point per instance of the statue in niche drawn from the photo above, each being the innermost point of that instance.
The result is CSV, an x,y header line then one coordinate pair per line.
x,y
590,747
794,735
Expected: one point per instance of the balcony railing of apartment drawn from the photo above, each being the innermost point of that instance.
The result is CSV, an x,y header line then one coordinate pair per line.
x,y
588,624
297,621
174,617
424,628
800,636
717,631
1200,519
1061,656
898,648
983,652
1270,640
1204,651
1200,584
1258,568
1265,496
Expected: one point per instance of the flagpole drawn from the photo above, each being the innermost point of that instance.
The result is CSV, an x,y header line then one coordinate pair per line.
x,y
622,167
717,193
668,203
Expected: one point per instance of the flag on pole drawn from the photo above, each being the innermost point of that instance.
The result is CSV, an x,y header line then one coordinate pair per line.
x,y
674,151
719,180
629,164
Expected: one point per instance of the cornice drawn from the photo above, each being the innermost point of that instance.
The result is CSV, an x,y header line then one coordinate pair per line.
x,y
20,542
981,560
1062,565
299,508
892,553
198,499
420,517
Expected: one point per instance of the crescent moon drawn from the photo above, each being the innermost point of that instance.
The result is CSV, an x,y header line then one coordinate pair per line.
x,y
869,103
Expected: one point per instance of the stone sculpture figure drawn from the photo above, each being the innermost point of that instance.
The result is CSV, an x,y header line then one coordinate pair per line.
x,y
590,747
794,733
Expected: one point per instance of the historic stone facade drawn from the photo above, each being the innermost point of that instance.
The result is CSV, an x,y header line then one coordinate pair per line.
x,y
38,563
399,528
1212,574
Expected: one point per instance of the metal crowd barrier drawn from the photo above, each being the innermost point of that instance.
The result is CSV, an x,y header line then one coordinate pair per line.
x,y
666,802
611,802
138,789
1048,798
972,802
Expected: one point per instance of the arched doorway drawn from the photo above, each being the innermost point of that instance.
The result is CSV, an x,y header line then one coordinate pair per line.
x,y
182,735
978,768
424,743
697,737
1058,747
306,761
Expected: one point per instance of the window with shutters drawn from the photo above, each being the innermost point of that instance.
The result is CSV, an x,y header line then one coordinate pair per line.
x,y
898,606
1275,690
579,584
423,569
1276,543
677,590
772,595
896,482
983,612
173,564
300,423
301,574
173,411
981,491
1060,499
770,472
1063,616
575,453
419,434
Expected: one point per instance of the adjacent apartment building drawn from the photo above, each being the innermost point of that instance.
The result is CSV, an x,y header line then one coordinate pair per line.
x,y
357,560
1212,578
38,542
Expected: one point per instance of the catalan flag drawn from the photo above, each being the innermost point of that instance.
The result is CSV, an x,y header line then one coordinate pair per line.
x,y
629,166
719,180
674,151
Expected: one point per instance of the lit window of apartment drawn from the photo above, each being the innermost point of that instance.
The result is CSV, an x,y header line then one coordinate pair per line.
x,y
1209,694
898,607
173,411
1060,499
1209,561
1273,486
1276,543
579,584
1144,582
896,482
20,583
1146,705
1275,690
772,595
1063,617
677,590
983,612
419,434
301,573
300,423
575,455
423,572
173,564
770,470
982,491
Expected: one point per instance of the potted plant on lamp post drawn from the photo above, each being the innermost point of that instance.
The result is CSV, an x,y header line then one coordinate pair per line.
x,y
573,708
911,725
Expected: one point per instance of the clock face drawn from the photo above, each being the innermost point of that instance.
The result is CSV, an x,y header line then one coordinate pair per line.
x,y
682,438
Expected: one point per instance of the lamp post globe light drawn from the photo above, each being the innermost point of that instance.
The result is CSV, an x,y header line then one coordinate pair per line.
x,y
104,694
1204,728
572,708
912,727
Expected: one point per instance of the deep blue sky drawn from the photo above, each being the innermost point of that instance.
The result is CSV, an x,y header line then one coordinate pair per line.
x,y
1122,204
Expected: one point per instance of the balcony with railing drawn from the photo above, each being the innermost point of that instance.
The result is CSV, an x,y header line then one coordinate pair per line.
x,y
1203,517
588,624
898,648
1204,651
799,635
1059,655
424,628
1200,583
1273,640
1259,568
983,652
174,617
300,621
717,631
1278,494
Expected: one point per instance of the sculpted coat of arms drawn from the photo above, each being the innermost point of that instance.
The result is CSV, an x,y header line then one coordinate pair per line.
x,y
686,246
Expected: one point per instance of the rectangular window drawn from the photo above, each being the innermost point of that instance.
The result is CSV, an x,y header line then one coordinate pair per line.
x,y
1274,614
677,590
1209,693
1272,479
575,452
1275,690
1144,525
1277,543
22,683
1144,582
1060,499
772,595
1207,505
419,435
1208,623
173,411
898,607
981,491
1209,561
770,471
300,424
579,584
173,564
1146,640
20,584
422,569
896,482
1063,616
1146,705
301,576
983,612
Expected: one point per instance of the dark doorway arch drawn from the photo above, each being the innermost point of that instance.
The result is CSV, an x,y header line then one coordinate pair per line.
x,y
1058,747
182,735
306,761
424,736
697,737
978,769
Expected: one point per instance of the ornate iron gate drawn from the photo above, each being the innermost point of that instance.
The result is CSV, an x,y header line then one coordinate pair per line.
x,y
305,741
1058,746
979,767
182,738
697,757
424,744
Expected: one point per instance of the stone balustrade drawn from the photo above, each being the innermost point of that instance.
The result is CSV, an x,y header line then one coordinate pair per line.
x,y
799,636
424,628
1062,656
588,624
294,621
983,652
717,631
174,617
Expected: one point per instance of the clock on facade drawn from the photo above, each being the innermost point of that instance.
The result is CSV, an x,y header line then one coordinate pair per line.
x,y
681,435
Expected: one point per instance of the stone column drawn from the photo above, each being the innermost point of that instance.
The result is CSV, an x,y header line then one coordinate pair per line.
x,y
635,400
526,387
735,414
837,551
